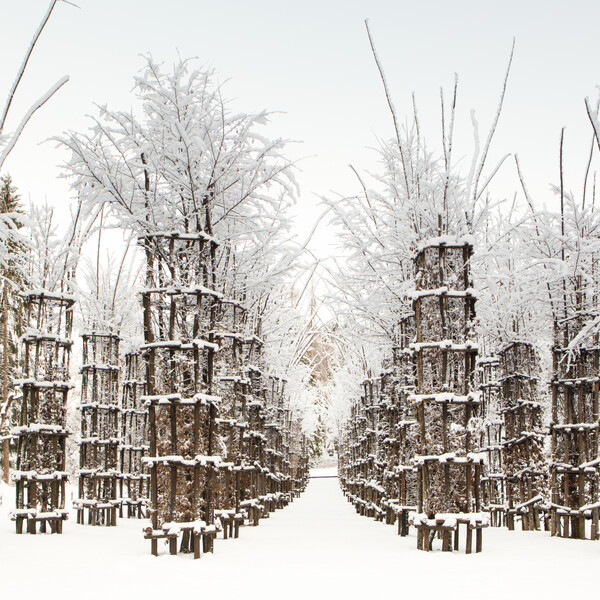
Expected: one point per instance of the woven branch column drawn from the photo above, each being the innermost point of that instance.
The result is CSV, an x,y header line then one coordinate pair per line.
x,y
40,476
233,387
351,455
98,474
298,457
275,452
449,474
255,442
179,316
523,449
135,444
387,455
574,476
493,482
404,427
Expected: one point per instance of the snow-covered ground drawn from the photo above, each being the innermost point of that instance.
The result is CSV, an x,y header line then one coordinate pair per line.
x,y
316,547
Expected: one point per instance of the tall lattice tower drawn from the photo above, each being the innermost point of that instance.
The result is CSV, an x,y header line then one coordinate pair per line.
x,y
135,478
574,475
449,474
99,476
523,457
40,476
493,482
179,314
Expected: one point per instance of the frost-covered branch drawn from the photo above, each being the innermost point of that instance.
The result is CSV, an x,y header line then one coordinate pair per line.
x,y
7,143
14,138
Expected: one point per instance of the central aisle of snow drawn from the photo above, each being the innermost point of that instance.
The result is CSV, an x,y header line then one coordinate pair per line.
x,y
316,546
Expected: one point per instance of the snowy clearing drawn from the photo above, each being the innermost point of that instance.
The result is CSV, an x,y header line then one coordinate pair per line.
x,y
317,545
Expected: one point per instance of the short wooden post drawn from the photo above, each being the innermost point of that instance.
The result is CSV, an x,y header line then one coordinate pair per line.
x,y
469,546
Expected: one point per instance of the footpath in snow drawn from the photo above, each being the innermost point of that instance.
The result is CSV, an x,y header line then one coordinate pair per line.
x,y
317,547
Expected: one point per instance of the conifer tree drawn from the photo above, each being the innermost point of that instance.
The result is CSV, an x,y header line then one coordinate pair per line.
x,y
11,282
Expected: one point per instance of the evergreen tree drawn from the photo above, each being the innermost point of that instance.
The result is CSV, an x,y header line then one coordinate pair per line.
x,y
11,310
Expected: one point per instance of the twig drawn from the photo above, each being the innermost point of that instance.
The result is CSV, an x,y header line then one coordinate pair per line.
x,y
21,70
390,104
562,218
594,121
596,136
37,105
537,229
493,127
448,146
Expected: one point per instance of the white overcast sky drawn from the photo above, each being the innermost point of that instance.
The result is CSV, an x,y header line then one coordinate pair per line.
x,y
311,60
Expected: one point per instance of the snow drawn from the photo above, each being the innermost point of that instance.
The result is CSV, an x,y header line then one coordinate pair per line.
x,y
316,546
234,379
199,459
446,240
444,345
443,291
44,384
176,290
451,519
35,475
196,235
100,366
68,299
445,397
33,335
196,343
533,500
575,426
448,457
38,428
166,399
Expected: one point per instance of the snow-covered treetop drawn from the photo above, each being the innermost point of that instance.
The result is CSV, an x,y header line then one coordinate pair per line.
x,y
187,163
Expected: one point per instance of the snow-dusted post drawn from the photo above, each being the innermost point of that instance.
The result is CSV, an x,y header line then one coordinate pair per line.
x,y
100,432
347,452
360,457
358,478
574,476
405,424
449,473
388,455
344,456
274,396
40,476
254,438
374,492
134,447
6,399
388,447
232,386
523,449
298,456
493,482
179,313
